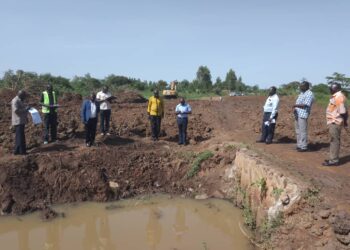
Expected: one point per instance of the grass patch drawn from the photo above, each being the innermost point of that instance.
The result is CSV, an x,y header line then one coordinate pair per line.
x,y
196,166
276,192
312,196
322,99
261,184
268,227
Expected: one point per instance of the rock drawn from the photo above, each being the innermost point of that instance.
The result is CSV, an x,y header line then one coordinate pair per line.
x,y
316,231
113,184
218,195
324,214
344,239
341,223
201,197
285,200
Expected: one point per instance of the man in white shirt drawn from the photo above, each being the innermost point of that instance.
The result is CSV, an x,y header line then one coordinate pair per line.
x,y
182,111
103,97
270,117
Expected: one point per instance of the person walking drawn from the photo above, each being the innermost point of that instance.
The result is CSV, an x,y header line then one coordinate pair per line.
x,y
155,111
19,120
302,109
49,105
89,113
104,97
337,117
182,111
270,117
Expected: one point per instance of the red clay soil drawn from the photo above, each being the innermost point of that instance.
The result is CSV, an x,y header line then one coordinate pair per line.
x,y
67,171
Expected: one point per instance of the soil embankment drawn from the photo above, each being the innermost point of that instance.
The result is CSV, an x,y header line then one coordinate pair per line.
x,y
127,164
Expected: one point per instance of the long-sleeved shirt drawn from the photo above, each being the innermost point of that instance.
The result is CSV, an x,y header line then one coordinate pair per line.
x,y
183,110
271,105
155,106
306,98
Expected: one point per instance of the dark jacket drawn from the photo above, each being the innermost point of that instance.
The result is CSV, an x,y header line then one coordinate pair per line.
x,y
85,112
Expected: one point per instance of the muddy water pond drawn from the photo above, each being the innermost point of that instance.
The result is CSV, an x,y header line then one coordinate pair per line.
x,y
154,223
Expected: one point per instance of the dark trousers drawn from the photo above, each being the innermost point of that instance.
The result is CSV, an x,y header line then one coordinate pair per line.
x,y
182,124
267,132
90,130
20,141
50,123
105,119
155,125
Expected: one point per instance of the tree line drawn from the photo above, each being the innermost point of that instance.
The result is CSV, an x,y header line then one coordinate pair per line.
x,y
202,83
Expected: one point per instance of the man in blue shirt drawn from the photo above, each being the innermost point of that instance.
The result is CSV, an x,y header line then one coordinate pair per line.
x,y
89,113
270,117
302,109
182,111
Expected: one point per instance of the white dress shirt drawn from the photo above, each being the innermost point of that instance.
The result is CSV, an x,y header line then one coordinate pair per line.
x,y
93,110
271,105
104,105
183,109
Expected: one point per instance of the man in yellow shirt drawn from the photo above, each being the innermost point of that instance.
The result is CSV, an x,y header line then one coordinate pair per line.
x,y
155,112
336,118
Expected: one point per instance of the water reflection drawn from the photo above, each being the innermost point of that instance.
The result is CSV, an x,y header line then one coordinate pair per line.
x,y
172,225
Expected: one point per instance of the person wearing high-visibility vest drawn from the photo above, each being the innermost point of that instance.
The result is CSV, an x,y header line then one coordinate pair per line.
x,y
49,105
155,112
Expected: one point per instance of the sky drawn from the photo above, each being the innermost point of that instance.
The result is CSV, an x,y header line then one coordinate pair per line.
x,y
266,42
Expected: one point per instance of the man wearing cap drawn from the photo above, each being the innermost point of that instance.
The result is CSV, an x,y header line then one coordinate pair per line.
x,y
270,117
302,109
19,120
155,112
103,97
49,105
337,116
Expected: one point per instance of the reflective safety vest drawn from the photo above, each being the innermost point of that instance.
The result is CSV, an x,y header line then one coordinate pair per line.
x,y
46,110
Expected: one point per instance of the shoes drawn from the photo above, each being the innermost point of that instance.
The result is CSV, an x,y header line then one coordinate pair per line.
x,y
102,134
302,149
88,144
328,163
268,142
108,134
46,142
260,141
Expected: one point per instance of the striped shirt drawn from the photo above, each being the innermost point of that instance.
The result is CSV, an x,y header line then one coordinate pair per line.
x,y
306,98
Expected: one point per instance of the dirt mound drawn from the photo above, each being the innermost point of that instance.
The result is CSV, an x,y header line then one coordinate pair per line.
x,y
130,97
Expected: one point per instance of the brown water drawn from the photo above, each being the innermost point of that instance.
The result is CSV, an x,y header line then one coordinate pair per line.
x,y
145,224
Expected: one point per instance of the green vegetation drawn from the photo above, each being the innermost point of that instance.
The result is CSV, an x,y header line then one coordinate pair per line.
x,y
269,226
276,192
261,184
312,196
196,166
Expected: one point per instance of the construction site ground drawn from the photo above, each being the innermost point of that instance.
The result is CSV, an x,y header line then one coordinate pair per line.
x,y
68,171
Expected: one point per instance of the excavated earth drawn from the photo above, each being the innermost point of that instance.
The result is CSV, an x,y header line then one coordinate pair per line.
x,y
128,164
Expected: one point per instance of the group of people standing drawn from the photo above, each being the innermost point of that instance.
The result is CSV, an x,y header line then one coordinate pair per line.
x,y
97,105
336,117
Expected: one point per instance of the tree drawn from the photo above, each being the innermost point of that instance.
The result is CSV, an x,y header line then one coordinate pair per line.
x,y
340,78
161,85
231,80
204,79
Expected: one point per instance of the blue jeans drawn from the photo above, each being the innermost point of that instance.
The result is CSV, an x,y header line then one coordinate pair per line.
x,y
182,124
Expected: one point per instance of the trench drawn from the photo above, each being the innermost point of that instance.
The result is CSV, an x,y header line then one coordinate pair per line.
x,y
232,173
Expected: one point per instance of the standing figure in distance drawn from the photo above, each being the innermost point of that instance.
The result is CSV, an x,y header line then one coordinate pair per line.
x,y
19,120
49,105
302,109
89,113
182,111
270,117
337,117
155,113
103,97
